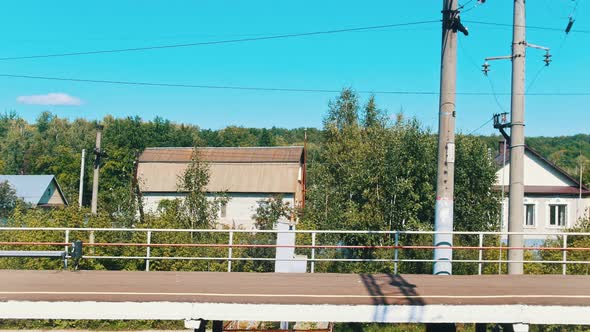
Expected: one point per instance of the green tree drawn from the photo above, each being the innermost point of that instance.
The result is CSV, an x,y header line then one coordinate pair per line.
x,y
196,209
265,138
270,210
14,147
371,174
8,199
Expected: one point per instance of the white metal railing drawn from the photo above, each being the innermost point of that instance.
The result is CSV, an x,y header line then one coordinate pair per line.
x,y
310,241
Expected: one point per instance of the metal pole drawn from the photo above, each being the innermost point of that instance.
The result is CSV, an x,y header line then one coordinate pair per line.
x,y
230,250
312,267
97,154
67,240
395,253
502,219
516,198
564,256
148,251
443,219
500,258
81,191
480,253
580,213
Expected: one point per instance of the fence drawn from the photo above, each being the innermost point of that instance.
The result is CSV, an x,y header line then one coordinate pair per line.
x,y
394,248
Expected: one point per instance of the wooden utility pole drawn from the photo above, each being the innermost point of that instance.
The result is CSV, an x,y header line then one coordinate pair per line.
x,y
516,195
97,156
445,181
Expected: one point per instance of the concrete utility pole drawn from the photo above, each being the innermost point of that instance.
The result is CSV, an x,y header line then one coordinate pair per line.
x,y
516,196
97,156
516,138
81,190
443,218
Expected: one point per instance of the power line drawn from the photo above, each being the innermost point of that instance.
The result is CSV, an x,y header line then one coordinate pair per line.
x,y
250,88
483,124
575,8
491,83
527,26
470,58
218,42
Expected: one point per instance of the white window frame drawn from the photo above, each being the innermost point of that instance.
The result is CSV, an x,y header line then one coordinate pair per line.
x,y
223,210
535,214
551,204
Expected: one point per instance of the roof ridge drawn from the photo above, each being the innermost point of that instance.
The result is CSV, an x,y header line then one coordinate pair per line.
x,y
226,147
543,159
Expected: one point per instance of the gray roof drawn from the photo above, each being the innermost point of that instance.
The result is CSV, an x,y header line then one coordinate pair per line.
x,y
30,188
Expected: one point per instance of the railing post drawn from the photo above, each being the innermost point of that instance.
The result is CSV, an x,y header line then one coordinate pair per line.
x,y
230,250
500,257
312,267
148,251
564,256
67,241
480,253
395,252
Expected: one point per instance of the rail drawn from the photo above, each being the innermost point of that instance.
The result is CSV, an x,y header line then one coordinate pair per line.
x,y
395,248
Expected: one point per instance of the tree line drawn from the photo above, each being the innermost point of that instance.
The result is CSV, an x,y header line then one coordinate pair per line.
x,y
367,170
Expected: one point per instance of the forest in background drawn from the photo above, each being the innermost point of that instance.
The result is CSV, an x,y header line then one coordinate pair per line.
x,y
53,145
367,170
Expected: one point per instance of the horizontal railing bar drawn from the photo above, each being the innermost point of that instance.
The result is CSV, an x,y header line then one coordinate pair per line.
x,y
35,243
341,260
303,246
352,260
212,245
283,231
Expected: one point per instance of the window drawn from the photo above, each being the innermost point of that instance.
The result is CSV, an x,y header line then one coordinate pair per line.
x,y
223,210
557,215
529,214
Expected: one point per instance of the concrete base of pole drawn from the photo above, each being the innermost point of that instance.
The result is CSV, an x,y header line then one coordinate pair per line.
x,y
443,222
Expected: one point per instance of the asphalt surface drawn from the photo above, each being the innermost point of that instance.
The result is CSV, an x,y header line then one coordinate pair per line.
x,y
273,288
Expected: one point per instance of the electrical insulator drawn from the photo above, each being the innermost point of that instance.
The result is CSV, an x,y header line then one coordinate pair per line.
x,y
570,23
486,68
547,58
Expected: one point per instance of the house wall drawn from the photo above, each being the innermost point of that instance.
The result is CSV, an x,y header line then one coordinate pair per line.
x,y
239,209
51,196
535,174
576,208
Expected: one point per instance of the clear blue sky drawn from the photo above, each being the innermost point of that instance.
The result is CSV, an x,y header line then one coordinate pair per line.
x,y
389,59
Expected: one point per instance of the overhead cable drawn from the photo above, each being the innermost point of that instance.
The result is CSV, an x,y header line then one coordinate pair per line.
x,y
251,88
527,26
217,42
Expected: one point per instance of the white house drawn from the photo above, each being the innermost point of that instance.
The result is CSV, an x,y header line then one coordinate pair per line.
x,y
248,175
554,200
37,190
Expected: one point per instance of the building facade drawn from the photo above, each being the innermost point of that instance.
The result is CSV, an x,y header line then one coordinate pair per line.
x,y
247,175
553,200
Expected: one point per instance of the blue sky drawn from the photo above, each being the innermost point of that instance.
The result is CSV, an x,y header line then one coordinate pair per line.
x,y
389,59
